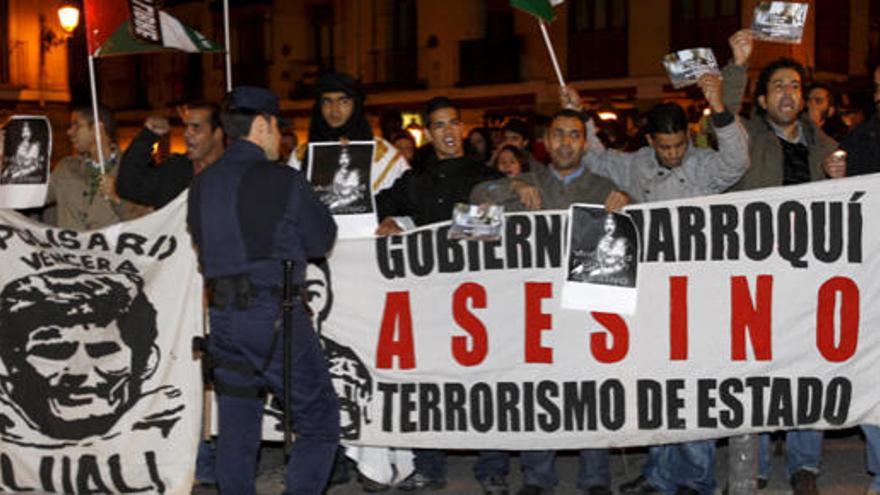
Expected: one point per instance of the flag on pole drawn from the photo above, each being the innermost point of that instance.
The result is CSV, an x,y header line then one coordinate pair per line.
x,y
102,18
145,24
539,8
112,30
543,11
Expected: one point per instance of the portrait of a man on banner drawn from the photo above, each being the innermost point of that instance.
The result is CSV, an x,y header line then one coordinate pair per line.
x,y
77,349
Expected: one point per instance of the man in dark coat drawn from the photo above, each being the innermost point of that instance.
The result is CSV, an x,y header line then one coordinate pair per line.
x,y
142,181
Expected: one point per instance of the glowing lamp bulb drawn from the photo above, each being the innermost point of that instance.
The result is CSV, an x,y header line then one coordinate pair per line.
x,y
68,16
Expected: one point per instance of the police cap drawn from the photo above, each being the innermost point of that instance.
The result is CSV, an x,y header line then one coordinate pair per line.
x,y
254,99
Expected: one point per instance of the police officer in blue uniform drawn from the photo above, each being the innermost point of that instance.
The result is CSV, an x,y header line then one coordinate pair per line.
x,y
247,213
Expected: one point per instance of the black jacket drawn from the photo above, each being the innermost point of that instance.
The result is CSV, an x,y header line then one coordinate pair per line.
x,y
141,181
429,194
862,146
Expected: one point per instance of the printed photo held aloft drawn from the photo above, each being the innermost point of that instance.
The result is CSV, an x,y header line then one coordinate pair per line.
x,y
27,146
781,22
602,248
24,170
686,66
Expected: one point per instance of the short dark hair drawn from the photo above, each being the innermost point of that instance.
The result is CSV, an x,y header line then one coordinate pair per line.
x,y
237,121
567,113
518,126
402,135
666,118
768,71
212,107
832,98
518,154
104,115
437,103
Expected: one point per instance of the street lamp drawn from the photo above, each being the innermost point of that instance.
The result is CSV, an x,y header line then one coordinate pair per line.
x,y
68,16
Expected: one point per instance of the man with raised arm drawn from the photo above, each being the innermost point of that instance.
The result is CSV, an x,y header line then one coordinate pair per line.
x,y
786,148
671,167
142,181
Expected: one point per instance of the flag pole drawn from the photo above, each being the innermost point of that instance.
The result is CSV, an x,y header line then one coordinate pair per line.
x,y
96,118
552,53
228,43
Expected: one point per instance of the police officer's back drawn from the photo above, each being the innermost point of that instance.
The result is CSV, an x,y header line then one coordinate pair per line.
x,y
237,204
247,213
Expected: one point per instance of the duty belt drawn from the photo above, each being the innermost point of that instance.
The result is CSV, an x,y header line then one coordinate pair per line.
x,y
237,291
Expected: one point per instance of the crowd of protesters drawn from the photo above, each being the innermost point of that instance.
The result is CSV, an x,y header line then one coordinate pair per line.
x,y
789,137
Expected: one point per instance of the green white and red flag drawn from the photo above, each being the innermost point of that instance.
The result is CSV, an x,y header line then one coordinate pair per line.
x,y
122,27
543,11
102,18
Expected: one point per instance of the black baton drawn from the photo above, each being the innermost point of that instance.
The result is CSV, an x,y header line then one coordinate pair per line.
x,y
286,341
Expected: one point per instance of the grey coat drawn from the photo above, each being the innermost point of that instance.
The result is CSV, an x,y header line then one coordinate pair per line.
x,y
702,171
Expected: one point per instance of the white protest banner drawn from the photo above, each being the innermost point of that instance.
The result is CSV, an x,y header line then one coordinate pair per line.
x,y
99,392
756,312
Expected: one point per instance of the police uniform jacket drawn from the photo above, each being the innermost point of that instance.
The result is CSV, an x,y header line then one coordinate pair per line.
x,y
246,213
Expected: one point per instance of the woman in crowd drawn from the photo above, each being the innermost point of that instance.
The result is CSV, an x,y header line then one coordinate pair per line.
x,y
479,145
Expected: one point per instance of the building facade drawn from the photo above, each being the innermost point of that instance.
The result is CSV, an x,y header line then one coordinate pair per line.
x,y
488,56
